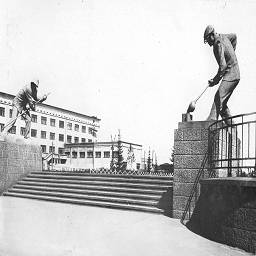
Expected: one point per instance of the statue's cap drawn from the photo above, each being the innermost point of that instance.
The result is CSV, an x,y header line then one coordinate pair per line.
x,y
209,30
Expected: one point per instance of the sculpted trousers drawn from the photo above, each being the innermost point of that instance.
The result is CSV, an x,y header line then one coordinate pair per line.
x,y
219,106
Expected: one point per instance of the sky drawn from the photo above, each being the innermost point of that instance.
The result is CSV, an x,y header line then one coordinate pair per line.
x,y
135,64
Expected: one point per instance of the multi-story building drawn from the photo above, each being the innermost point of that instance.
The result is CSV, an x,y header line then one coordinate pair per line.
x,y
97,155
52,127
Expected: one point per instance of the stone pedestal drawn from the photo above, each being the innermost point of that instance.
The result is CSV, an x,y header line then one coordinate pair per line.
x,y
16,160
190,146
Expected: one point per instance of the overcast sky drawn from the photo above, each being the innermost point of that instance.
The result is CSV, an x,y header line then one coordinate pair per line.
x,y
135,64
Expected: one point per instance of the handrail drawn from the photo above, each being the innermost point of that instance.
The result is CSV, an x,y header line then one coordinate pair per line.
x,y
194,188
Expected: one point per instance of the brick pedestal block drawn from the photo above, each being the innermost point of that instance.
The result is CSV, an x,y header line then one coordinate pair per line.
x,y
190,146
16,160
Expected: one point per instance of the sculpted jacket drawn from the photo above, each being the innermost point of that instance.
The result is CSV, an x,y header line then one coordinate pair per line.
x,y
26,96
224,51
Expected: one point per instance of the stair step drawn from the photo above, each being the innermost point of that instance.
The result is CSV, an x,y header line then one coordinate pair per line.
x,y
87,202
105,175
100,178
90,192
121,184
85,197
91,187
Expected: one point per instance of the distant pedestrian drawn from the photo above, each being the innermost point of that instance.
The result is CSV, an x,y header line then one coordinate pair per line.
x,y
24,101
224,46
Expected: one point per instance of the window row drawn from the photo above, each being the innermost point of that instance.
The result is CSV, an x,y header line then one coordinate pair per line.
x,y
52,149
97,154
70,126
43,135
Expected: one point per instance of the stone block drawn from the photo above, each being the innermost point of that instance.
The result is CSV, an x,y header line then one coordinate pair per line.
x,y
16,160
245,219
185,175
182,189
177,214
190,147
195,125
178,135
179,202
188,161
244,239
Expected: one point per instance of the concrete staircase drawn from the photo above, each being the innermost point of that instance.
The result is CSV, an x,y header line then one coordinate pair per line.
x,y
131,192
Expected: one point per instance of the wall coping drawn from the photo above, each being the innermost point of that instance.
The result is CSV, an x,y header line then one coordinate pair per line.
x,y
195,124
239,181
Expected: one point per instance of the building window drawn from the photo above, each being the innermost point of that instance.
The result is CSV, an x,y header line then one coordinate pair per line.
x,y
69,126
1,127
138,166
106,154
10,113
115,154
61,137
43,147
83,140
83,129
69,139
52,136
52,149
74,154
43,134
67,153
76,139
44,120
76,127
13,130
33,133
22,131
52,122
89,154
34,118
89,140
2,111
82,154
61,151
61,124
97,154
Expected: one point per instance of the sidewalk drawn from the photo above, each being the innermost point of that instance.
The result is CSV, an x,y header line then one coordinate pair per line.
x,y
40,228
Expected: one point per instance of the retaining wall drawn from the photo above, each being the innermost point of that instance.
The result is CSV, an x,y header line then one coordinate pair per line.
x,y
16,160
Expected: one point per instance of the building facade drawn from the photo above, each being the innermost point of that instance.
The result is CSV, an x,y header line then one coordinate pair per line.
x,y
52,127
97,155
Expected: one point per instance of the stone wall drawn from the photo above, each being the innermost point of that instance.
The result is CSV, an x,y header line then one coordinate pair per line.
x,y
16,160
226,212
190,146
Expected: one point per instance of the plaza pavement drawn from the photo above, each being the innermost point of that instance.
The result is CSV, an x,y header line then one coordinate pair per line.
x,y
40,228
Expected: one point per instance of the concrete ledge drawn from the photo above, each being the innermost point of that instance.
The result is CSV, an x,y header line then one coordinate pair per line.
x,y
195,124
237,181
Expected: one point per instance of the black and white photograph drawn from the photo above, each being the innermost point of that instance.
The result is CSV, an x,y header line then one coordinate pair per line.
x,y
127,128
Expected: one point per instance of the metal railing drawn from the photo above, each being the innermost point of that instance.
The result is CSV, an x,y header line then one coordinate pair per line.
x,y
112,172
195,191
231,153
232,148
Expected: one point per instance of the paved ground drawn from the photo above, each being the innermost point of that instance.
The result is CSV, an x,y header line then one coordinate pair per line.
x,y
40,228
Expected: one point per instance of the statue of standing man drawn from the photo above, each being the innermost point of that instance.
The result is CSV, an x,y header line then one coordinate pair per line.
x,y
224,46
